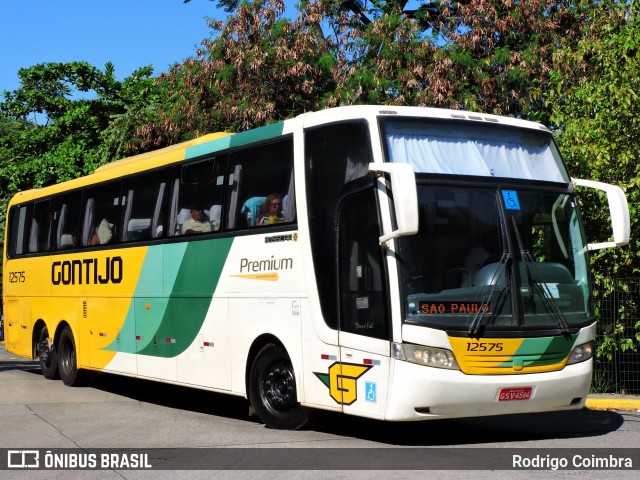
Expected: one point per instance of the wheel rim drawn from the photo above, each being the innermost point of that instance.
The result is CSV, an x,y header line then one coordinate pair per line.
x,y
67,357
279,388
44,350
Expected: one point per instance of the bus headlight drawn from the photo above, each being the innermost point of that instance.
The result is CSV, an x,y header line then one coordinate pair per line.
x,y
428,356
581,353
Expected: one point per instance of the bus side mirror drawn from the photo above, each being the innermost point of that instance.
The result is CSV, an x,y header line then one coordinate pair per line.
x,y
619,210
405,197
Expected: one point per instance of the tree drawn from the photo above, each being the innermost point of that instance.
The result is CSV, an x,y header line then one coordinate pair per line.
x,y
63,129
260,68
596,115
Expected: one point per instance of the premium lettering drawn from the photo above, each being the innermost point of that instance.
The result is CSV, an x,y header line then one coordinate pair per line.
x,y
87,271
270,264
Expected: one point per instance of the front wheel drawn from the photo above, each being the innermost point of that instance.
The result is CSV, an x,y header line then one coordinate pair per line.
x,y
272,390
47,356
67,359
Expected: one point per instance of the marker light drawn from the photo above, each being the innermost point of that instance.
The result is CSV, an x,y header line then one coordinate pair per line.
x,y
581,353
421,355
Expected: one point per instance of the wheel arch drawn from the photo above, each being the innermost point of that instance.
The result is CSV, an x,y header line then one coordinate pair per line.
x,y
35,336
258,344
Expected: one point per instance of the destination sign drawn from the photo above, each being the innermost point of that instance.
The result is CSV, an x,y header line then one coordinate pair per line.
x,y
440,308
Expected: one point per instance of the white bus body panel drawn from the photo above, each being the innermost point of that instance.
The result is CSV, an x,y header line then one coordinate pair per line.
x,y
438,393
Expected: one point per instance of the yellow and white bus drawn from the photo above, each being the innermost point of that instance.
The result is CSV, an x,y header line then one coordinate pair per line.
x,y
393,263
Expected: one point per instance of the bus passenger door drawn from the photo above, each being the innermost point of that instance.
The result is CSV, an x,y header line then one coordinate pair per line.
x,y
364,319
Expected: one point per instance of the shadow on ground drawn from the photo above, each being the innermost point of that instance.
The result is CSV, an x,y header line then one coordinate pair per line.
x,y
484,430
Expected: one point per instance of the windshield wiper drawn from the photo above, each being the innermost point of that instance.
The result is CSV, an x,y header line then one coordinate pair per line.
x,y
541,288
482,316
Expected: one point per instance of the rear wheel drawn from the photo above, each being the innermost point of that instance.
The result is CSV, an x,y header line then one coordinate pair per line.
x,y
272,390
47,356
67,359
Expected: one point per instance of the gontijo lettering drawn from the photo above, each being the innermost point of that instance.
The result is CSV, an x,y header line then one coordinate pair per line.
x,y
87,271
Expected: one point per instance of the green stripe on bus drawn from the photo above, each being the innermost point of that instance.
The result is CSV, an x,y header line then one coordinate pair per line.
x,y
208,147
236,140
257,135
164,326
141,324
542,351
196,281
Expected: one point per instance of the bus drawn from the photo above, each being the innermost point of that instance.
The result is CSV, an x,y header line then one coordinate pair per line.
x,y
395,263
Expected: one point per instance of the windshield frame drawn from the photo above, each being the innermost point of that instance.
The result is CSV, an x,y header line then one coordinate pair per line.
x,y
515,295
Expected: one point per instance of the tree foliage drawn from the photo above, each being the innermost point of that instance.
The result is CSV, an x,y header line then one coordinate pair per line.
x,y
493,56
597,116
260,68
63,132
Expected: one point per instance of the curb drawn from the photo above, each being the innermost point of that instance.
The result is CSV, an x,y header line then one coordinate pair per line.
x,y
613,403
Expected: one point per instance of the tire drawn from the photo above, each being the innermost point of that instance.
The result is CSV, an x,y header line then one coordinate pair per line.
x,y
67,360
47,356
272,390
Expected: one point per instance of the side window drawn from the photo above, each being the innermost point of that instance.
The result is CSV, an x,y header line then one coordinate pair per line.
x,y
18,230
40,227
66,221
196,199
261,186
335,155
100,215
362,299
145,200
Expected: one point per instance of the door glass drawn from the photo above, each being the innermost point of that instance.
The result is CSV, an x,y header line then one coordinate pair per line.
x,y
362,299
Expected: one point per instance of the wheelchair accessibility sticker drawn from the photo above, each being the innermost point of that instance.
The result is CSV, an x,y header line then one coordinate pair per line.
x,y
511,201
372,392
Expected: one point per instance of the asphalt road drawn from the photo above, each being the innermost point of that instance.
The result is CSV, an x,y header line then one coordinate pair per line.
x,y
124,413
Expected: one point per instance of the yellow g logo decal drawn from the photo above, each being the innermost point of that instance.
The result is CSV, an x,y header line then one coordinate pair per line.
x,y
341,381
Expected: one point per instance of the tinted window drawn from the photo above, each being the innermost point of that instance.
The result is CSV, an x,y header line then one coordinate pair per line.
x,y
66,220
196,200
335,156
40,227
261,186
100,215
362,299
145,200
18,225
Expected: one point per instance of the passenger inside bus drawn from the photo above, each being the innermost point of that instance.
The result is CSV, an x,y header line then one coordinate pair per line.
x,y
102,234
68,240
481,255
198,223
271,212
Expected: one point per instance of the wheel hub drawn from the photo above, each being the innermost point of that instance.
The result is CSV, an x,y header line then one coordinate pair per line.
x,y
279,387
44,351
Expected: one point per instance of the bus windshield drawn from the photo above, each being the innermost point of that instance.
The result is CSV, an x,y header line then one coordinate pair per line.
x,y
494,259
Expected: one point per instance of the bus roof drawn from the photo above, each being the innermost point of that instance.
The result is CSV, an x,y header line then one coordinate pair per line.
x,y
373,111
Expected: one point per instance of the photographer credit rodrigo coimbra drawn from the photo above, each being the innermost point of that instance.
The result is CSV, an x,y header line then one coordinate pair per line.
x,y
571,462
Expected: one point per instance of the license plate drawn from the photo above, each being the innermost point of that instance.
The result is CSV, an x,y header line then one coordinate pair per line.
x,y
511,394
